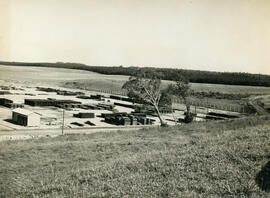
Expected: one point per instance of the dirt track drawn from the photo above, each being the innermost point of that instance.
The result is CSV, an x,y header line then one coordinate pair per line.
x,y
253,101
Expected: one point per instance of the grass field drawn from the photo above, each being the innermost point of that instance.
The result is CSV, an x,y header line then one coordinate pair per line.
x,y
211,159
50,76
115,83
91,80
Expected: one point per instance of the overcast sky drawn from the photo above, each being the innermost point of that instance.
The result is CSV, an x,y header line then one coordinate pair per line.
x,y
219,35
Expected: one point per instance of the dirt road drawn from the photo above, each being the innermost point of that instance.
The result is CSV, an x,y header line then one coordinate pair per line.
x,y
254,101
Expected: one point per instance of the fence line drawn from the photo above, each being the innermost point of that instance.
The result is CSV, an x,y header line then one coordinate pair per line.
x,y
113,92
196,103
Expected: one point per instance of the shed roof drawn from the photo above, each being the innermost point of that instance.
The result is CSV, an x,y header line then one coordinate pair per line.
x,y
23,111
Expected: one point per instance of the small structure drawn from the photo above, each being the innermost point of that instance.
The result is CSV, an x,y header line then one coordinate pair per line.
x,y
25,117
83,97
105,106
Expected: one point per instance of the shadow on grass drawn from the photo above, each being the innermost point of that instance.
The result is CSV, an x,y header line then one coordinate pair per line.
x,y
263,178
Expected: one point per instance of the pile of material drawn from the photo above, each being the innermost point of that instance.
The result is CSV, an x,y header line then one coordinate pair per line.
x,y
49,102
5,92
121,98
97,97
219,116
149,110
69,106
132,106
100,106
84,115
60,92
126,119
265,103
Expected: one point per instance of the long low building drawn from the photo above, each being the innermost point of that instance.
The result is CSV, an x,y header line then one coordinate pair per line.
x,y
10,103
5,101
25,117
48,102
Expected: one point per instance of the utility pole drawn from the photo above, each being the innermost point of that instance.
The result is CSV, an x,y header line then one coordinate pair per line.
x,y
63,122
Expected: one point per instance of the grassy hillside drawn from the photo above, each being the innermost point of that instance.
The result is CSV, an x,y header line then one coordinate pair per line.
x,y
211,159
195,76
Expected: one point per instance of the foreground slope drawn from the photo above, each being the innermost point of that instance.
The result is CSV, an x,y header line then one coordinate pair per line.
x,y
212,159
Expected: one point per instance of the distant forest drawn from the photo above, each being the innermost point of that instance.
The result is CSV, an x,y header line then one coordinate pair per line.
x,y
195,76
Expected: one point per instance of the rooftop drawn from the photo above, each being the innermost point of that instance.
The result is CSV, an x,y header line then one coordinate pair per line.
x,y
23,111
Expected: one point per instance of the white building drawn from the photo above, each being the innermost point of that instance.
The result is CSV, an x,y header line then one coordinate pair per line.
x,y
25,117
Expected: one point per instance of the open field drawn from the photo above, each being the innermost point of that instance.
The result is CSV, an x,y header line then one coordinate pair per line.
x,y
51,76
210,159
91,80
116,83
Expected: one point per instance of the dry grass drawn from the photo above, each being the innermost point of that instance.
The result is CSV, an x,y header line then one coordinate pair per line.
x,y
212,159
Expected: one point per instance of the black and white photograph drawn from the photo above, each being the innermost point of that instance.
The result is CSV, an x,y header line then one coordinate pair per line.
x,y
134,98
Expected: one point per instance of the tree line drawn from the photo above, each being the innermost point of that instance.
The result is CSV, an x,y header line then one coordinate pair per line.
x,y
194,76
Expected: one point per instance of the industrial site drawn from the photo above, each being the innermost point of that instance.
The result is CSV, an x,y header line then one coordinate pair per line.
x,y
26,107
134,99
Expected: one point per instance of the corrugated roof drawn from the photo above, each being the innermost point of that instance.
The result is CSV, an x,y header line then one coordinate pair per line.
x,y
23,111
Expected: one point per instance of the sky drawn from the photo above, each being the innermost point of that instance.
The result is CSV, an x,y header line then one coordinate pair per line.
x,y
215,35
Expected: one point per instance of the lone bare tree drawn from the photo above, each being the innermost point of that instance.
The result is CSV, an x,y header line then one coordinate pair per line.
x,y
146,88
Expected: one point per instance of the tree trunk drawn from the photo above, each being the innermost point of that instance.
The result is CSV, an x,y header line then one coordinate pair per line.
x,y
187,105
162,123
188,108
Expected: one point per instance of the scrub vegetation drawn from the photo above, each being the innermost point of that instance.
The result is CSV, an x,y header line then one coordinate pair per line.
x,y
209,159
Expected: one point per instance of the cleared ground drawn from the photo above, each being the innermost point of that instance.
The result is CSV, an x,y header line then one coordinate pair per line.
x,y
209,159
51,117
